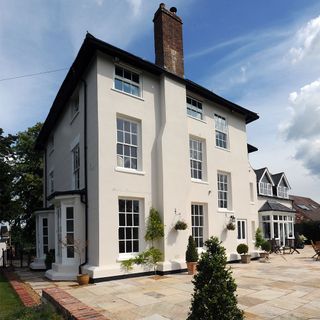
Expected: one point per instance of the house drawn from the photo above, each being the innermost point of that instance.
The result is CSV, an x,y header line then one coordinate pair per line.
x,y
276,213
306,209
124,135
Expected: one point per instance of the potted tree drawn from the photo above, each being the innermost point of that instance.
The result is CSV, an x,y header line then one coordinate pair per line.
x,y
243,249
266,247
191,256
259,243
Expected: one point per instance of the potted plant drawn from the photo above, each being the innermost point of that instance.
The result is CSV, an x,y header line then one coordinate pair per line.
x,y
266,247
78,247
191,256
243,249
231,226
180,225
260,242
50,258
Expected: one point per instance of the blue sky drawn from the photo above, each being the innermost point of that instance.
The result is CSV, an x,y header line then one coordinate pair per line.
x,y
263,55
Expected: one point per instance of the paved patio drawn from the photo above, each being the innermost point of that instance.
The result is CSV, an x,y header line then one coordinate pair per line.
x,y
286,288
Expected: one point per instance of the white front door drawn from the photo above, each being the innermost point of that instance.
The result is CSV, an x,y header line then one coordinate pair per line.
x,y
242,231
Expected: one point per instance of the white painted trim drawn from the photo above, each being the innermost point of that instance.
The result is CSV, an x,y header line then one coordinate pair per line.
x,y
75,141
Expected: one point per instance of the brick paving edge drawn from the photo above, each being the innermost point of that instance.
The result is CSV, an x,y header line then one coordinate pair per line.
x,y
70,307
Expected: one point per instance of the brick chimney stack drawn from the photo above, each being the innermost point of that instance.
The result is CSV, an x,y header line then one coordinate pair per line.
x,y
168,40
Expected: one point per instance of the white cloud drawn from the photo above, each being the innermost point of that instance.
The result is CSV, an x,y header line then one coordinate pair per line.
x,y
303,126
307,41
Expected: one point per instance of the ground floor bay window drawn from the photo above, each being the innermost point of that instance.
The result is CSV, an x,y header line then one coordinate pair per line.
x,y
70,237
277,225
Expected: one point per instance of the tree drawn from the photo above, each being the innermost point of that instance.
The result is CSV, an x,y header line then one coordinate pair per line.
x,y
20,182
155,227
259,238
27,182
214,296
7,207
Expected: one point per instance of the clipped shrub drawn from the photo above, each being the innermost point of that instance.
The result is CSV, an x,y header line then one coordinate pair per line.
x,y
214,296
192,252
242,248
266,246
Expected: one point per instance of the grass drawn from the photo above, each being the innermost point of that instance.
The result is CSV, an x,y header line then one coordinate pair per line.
x,y
12,308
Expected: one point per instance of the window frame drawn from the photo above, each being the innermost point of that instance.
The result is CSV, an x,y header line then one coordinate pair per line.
x,y
219,130
265,189
133,225
194,108
70,244
51,181
197,236
242,229
76,166
130,145
130,82
227,191
200,152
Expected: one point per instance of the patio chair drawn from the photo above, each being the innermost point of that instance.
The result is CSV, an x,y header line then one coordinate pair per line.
x,y
316,250
275,247
291,243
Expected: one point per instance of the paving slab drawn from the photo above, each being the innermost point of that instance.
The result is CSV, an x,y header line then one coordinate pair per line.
x,y
288,287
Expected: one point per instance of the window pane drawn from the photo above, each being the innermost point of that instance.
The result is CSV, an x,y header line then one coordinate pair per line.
x,y
121,233
70,252
70,226
122,205
126,87
135,246
129,205
70,239
129,246
119,71
135,77
118,84
69,212
121,246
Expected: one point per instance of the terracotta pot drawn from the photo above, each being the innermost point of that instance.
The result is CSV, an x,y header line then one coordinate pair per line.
x,y
245,258
83,279
263,255
192,267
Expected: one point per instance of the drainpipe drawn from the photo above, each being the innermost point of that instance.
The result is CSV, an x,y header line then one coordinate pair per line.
x,y
85,201
45,177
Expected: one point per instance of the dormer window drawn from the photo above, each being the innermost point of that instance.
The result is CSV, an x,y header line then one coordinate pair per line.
x,y
282,192
127,81
265,188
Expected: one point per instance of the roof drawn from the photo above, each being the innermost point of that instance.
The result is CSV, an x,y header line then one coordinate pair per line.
x,y
251,148
277,177
259,173
275,206
87,52
307,209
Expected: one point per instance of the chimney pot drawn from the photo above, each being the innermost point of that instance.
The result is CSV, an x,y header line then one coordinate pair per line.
x,y
173,10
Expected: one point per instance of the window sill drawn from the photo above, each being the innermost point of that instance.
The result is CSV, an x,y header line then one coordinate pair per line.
x,y
194,118
74,116
225,210
126,256
132,171
224,149
127,94
199,181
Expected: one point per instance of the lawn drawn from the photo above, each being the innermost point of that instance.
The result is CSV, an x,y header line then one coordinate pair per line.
x,y
12,308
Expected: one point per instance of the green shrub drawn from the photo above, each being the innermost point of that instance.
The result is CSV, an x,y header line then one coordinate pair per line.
x,y
259,238
214,295
155,227
192,252
266,246
242,248
180,225
50,259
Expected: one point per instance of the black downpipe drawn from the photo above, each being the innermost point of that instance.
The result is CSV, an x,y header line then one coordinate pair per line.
x,y
85,174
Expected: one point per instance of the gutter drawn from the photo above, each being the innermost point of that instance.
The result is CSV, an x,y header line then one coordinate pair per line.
x,y
85,200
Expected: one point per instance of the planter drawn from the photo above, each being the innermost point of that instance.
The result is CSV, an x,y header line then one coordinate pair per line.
x,y
245,258
263,255
192,268
83,279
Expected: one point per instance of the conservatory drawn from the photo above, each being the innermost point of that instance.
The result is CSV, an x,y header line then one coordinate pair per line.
x,y
277,222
